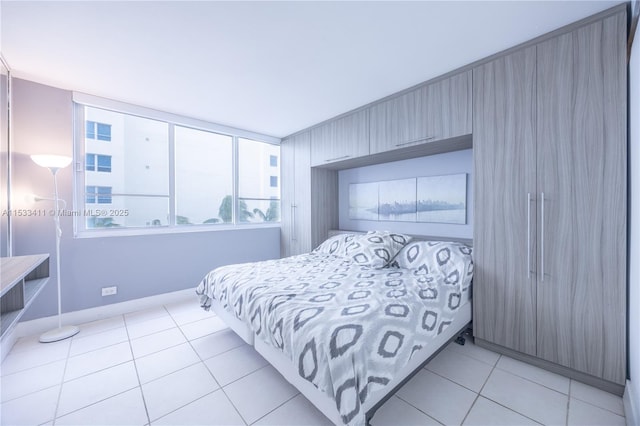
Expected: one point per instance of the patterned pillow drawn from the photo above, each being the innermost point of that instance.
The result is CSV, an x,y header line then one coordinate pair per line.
x,y
449,262
336,245
376,248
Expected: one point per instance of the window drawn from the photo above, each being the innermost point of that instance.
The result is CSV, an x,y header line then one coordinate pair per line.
x,y
98,194
166,171
259,198
104,163
204,177
140,184
104,132
99,131
90,127
97,162
90,162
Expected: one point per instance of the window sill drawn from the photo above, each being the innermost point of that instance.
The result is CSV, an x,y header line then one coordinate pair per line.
x,y
163,230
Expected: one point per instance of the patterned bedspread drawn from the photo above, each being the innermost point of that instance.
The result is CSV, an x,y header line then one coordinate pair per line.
x,y
347,328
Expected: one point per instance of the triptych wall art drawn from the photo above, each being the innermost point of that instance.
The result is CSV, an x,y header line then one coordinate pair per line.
x,y
441,199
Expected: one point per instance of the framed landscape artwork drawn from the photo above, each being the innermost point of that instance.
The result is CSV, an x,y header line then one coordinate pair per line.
x,y
438,199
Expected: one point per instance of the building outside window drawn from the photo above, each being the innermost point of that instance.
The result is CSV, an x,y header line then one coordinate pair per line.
x,y
203,177
164,174
259,198
137,159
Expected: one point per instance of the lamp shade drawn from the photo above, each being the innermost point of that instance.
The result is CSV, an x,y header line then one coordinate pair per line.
x,y
52,161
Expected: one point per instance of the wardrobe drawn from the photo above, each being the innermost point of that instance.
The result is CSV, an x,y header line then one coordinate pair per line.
x,y
309,209
550,143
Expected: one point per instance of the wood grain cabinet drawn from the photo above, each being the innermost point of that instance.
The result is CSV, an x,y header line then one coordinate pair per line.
x,y
550,200
504,137
582,194
432,112
341,139
296,198
309,198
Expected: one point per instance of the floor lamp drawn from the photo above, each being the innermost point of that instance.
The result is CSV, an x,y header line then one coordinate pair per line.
x,y
55,163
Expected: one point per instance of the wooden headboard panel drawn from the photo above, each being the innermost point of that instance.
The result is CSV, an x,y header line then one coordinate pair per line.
x,y
467,241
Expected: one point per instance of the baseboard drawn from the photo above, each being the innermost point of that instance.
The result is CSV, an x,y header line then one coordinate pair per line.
x,y
630,400
40,325
585,378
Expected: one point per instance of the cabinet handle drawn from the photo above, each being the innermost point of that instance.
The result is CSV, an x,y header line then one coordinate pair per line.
x,y
337,158
528,235
542,237
293,222
416,140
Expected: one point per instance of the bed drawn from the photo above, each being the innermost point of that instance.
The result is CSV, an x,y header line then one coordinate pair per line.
x,y
350,322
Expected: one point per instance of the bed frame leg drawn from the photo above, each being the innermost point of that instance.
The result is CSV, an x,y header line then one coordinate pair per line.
x,y
461,339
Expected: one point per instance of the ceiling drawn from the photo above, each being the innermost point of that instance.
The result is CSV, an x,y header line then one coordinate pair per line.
x,y
268,67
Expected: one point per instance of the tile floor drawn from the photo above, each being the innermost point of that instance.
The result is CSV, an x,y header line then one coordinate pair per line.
x,y
179,365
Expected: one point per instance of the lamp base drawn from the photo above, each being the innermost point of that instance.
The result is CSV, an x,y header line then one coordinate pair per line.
x,y
60,333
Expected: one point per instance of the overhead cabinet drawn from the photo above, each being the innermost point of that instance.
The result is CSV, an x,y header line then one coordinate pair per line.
x,y
432,112
550,200
341,139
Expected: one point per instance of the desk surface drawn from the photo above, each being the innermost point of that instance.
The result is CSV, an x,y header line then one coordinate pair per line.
x,y
13,269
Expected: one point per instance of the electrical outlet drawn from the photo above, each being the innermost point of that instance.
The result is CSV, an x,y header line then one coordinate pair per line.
x,y
109,291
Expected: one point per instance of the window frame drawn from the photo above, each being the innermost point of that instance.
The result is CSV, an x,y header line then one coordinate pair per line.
x,y
81,100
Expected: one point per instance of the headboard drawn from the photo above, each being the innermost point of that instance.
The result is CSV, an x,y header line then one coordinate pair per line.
x,y
467,241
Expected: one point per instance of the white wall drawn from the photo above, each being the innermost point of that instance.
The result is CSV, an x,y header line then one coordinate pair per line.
x,y
139,265
632,397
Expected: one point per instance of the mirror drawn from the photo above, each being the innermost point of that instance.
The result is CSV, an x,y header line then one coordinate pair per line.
x,y
5,162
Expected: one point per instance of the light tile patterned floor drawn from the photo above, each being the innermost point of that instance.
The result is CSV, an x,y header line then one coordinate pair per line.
x,y
179,365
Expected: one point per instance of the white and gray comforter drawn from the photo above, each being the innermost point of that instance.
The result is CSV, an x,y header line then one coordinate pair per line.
x,y
347,328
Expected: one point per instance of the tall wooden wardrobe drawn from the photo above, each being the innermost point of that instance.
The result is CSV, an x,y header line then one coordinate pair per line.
x,y
550,144
309,198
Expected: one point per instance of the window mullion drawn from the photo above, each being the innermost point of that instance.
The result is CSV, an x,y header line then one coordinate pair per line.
x,y
79,198
235,171
172,176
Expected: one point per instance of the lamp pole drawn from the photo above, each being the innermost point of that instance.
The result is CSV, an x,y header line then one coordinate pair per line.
x,y
55,163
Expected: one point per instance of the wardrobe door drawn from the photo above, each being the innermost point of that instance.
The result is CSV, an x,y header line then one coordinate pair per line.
x,y
582,214
504,95
340,139
433,112
302,211
449,106
295,236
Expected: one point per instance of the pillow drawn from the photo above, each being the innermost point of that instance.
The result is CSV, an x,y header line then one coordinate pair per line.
x,y
375,248
336,244
449,262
